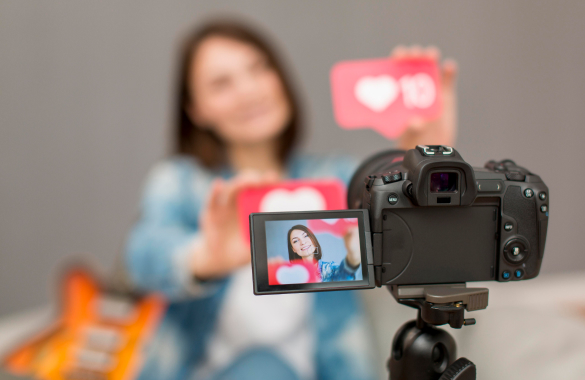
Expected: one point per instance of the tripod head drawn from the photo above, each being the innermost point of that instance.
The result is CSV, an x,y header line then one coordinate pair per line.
x,y
442,303
420,350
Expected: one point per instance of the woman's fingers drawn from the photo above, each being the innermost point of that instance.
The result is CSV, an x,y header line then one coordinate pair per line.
x,y
350,235
215,194
417,124
449,73
352,244
233,189
223,198
240,182
271,177
399,51
443,129
415,51
247,179
255,179
432,52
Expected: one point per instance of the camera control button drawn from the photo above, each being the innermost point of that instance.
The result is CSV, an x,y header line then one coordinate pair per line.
x,y
515,251
506,275
518,273
542,196
543,208
393,176
515,176
508,226
393,198
528,193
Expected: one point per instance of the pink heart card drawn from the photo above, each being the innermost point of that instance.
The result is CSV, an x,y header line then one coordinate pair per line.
x,y
295,272
294,195
336,227
385,94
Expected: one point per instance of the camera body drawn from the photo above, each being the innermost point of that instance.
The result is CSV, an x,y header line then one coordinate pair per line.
x,y
434,219
424,217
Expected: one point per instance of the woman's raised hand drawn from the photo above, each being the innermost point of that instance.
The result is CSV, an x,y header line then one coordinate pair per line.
x,y
222,248
352,244
442,131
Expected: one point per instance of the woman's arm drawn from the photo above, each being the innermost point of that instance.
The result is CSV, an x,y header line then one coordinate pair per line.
x,y
188,235
222,247
342,272
159,246
443,130
351,239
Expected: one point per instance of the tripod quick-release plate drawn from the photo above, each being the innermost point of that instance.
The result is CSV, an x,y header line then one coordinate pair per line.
x,y
440,304
472,298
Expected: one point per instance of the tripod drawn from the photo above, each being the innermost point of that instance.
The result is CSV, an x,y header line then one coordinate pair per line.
x,y
420,351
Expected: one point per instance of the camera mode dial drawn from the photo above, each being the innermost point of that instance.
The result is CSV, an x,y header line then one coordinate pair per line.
x,y
512,171
393,176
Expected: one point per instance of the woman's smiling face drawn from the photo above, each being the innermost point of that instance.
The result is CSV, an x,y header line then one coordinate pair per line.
x,y
302,244
238,93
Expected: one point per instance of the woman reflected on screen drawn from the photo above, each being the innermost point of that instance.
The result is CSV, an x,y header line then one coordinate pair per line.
x,y
303,245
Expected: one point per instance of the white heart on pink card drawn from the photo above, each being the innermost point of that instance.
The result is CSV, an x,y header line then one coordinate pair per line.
x,y
294,274
376,93
301,199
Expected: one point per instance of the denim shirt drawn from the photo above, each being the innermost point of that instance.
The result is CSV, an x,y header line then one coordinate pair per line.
x,y
337,341
329,271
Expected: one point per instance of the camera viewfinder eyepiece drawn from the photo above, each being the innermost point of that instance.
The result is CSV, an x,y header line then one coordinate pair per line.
x,y
439,176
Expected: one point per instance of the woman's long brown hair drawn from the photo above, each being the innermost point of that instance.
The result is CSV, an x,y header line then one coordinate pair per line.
x,y
193,140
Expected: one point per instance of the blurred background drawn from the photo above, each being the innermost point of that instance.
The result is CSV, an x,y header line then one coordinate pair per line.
x,y
85,89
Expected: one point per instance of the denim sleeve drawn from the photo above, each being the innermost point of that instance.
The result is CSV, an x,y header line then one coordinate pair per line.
x,y
158,247
341,272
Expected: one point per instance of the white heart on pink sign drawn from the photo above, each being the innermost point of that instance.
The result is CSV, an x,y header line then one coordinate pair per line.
x,y
295,274
301,199
376,93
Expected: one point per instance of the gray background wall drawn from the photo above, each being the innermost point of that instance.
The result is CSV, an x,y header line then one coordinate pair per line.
x,y
85,92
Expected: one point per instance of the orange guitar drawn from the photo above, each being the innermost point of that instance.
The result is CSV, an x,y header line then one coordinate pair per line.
x,y
99,335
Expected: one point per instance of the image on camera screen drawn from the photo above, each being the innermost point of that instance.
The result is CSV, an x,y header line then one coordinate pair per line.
x,y
313,251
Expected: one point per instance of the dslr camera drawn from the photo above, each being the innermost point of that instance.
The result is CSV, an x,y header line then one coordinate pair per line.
x,y
424,216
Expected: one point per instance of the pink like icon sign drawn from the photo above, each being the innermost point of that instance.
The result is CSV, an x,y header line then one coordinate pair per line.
x,y
384,94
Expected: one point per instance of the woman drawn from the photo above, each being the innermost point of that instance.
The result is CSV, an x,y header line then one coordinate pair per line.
x,y
303,245
237,120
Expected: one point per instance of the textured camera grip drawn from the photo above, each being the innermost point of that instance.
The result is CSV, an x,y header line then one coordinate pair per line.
x,y
523,210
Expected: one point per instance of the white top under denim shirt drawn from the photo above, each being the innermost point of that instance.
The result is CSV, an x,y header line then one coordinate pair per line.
x,y
220,329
